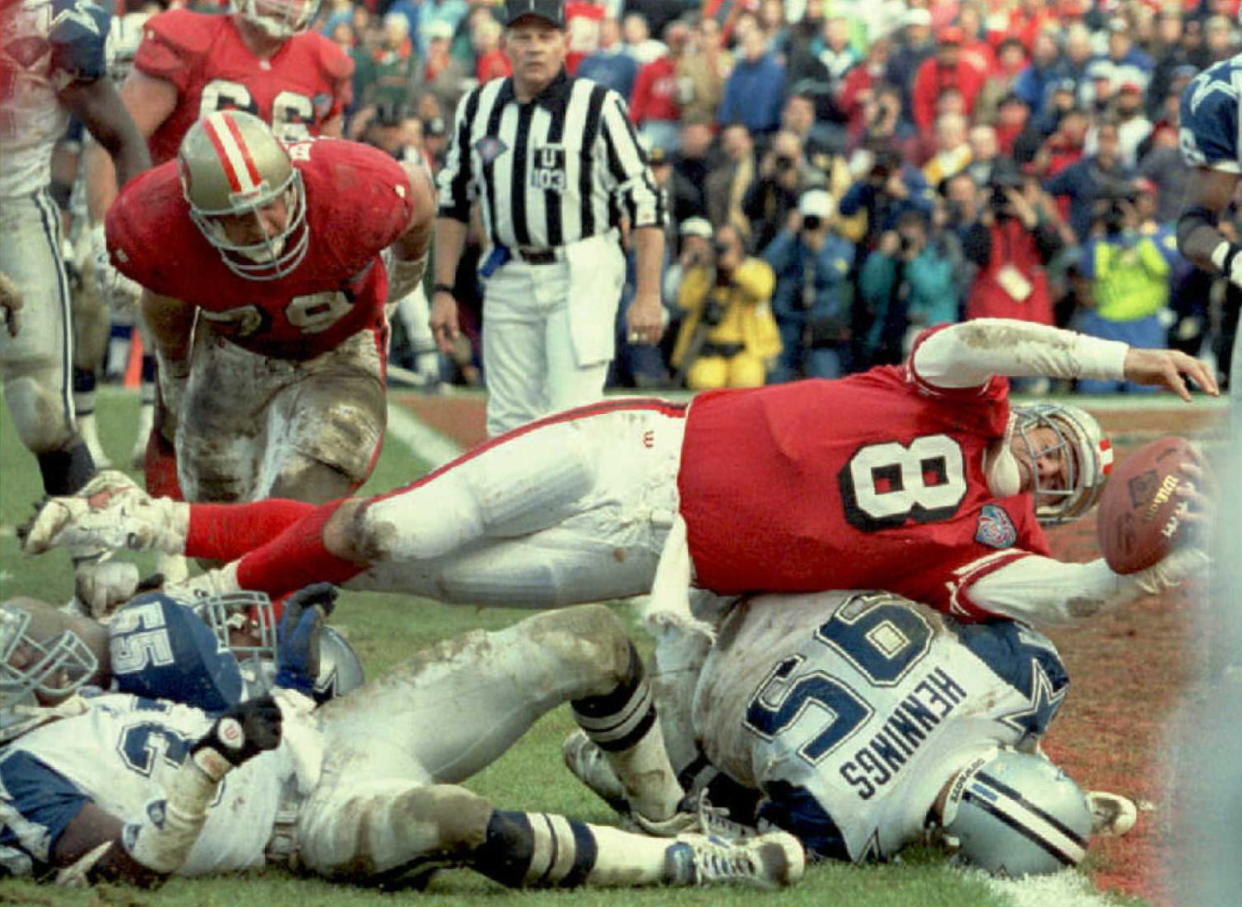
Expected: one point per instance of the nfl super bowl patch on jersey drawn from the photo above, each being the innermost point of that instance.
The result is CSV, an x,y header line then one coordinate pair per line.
x,y
996,529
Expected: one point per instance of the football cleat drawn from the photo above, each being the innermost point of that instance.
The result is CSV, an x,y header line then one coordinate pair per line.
x,y
589,765
1112,815
110,513
769,861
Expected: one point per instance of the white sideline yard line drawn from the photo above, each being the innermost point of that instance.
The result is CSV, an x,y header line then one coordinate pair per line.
x,y
1064,889
419,437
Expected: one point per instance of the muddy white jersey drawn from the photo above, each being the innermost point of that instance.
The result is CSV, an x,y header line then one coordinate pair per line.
x,y
849,711
44,46
122,754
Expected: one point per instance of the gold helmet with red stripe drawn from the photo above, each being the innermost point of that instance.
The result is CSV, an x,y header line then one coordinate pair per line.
x,y
232,166
278,18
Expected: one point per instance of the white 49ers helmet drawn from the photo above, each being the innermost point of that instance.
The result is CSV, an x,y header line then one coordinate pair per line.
x,y
232,165
1089,453
278,18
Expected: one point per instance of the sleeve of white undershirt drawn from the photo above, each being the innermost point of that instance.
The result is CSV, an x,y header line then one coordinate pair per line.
x,y
1046,592
968,354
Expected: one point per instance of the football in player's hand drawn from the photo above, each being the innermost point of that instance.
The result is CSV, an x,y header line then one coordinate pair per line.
x,y
1142,515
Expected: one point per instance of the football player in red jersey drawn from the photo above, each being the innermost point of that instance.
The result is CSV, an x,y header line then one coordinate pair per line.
x,y
268,255
917,478
260,59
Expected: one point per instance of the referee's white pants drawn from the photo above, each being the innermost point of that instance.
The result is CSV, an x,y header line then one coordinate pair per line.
x,y
36,365
531,363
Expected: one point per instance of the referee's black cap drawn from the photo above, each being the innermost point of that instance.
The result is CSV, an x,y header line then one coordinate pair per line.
x,y
549,10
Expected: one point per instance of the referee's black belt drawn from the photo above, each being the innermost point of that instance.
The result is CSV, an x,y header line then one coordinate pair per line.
x,y
540,256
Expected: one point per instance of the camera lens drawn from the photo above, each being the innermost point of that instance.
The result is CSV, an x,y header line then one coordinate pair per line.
x,y
784,163
812,222
721,248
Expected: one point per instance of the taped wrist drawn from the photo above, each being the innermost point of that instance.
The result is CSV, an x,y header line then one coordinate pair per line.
x,y
404,276
162,838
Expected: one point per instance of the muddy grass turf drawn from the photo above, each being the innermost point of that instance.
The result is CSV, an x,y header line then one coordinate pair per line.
x,y
1128,668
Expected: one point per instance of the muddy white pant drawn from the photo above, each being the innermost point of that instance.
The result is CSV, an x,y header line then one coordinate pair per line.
x,y
387,798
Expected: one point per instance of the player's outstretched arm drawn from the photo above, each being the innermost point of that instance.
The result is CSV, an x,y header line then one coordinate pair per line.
x,y
1169,369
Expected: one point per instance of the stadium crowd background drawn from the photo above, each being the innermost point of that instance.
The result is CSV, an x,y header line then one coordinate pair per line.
x,y
841,173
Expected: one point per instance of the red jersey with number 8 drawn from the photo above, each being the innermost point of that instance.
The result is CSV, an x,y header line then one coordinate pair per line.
x,y
358,201
874,481
302,85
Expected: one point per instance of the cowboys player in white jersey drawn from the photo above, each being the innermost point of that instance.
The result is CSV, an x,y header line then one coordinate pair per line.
x,y
52,63
363,789
862,721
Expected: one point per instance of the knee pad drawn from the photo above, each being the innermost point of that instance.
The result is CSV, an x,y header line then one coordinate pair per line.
x,y
38,414
458,817
519,486
304,479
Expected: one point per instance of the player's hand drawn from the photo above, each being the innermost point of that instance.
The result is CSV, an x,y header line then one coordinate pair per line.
x,y
444,325
644,319
10,304
241,733
297,637
1166,368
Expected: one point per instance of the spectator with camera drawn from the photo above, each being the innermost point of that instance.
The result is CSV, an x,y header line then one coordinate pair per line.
x,y
728,337
1081,184
814,296
784,175
1126,272
888,188
907,283
1010,243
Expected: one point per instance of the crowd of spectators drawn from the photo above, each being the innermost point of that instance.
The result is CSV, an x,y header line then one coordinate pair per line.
x,y
842,173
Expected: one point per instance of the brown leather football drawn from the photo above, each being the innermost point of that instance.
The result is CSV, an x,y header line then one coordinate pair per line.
x,y
1140,515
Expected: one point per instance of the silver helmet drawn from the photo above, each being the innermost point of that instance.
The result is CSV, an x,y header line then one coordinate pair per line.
x,y
1088,453
40,656
278,18
232,165
1016,814
340,671
245,623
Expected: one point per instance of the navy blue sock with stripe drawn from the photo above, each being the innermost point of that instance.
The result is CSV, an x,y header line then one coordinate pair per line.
x,y
535,850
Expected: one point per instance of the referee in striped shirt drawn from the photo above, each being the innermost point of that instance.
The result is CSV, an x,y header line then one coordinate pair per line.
x,y
555,167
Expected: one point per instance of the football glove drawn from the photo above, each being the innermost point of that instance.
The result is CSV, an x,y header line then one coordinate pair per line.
x,y
241,733
297,637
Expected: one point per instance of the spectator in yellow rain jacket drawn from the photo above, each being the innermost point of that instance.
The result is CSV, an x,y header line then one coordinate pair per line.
x,y
728,337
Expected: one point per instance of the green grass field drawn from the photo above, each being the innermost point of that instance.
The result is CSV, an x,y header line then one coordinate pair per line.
x,y
385,628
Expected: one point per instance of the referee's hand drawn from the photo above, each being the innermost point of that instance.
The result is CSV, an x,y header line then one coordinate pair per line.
x,y
444,326
644,320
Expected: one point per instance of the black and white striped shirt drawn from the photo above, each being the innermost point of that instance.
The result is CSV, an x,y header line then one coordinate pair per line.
x,y
564,167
